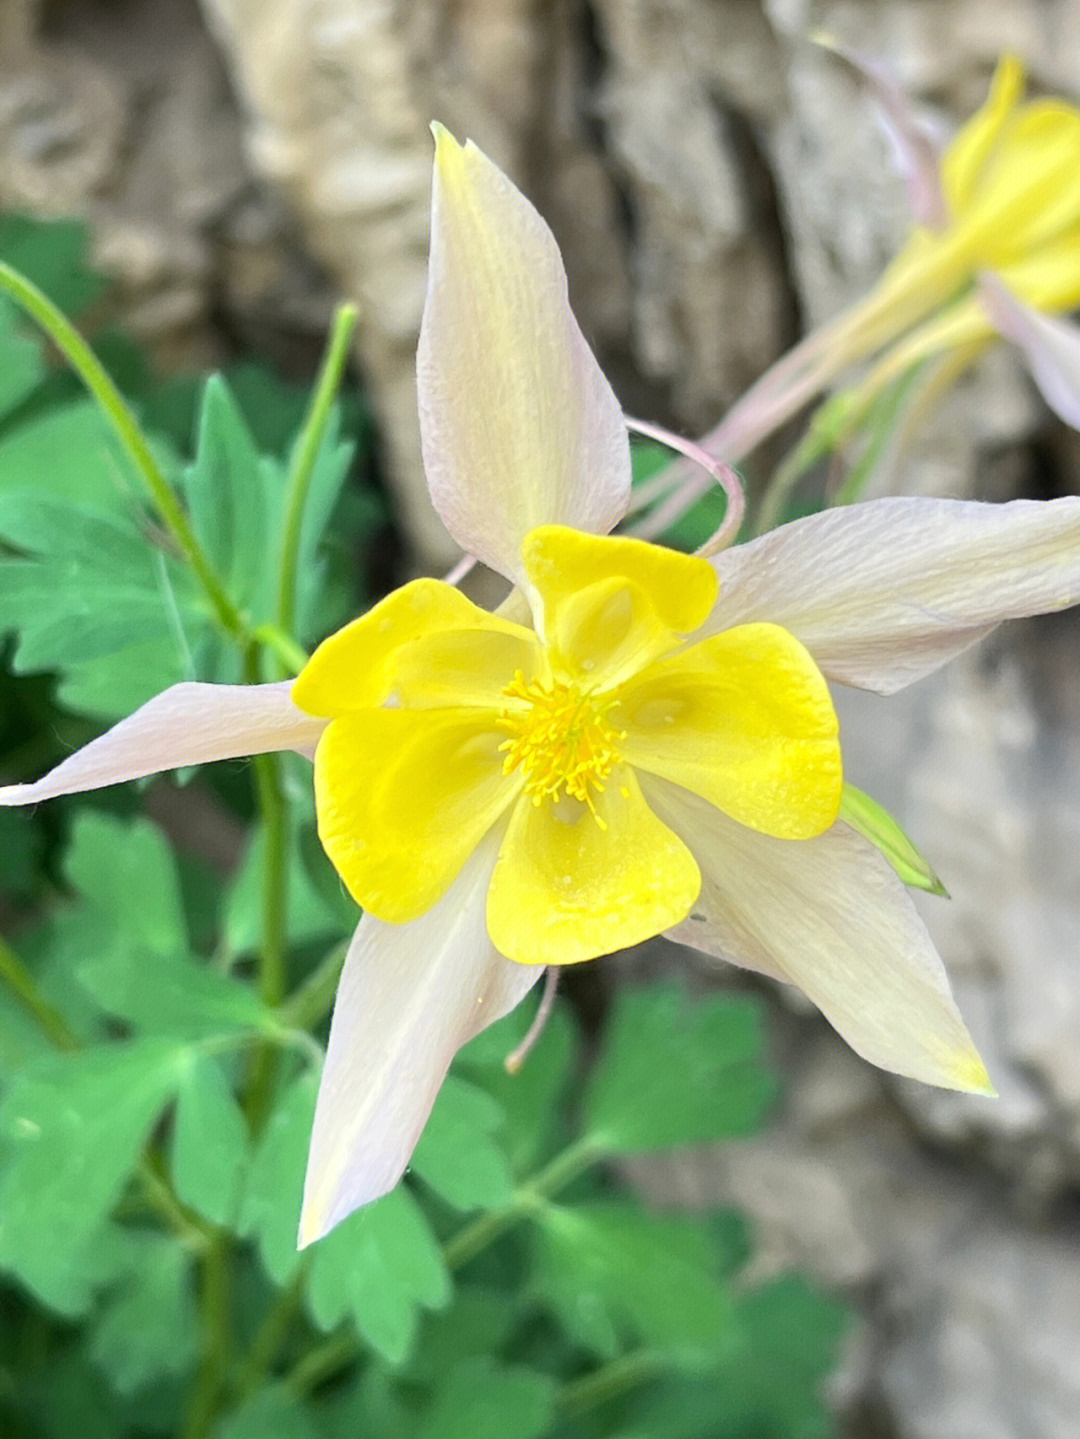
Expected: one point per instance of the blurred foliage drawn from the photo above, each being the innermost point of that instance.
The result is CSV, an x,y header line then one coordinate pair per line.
x,y
156,1094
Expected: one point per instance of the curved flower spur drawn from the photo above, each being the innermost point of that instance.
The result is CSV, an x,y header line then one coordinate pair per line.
x,y
656,752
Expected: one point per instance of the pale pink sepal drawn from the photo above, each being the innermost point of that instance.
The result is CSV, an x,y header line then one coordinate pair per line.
x,y
518,424
410,996
882,593
184,725
1050,345
917,148
829,916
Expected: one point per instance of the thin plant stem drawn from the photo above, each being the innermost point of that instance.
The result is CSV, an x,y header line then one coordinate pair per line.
x,y
17,977
611,1380
272,1333
95,377
215,1306
473,1238
272,811
310,1001
322,1361
293,656
305,456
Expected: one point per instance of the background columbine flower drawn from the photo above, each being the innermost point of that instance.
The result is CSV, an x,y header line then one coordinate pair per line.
x,y
672,710
996,250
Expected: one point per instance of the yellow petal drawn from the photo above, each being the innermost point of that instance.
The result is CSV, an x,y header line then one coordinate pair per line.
x,y
608,605
1049,277
1030,186
567,889
361,665
403,797
745,720
963,162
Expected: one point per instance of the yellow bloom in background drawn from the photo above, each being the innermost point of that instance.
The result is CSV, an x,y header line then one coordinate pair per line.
x,y
1009,187
996,252
656,753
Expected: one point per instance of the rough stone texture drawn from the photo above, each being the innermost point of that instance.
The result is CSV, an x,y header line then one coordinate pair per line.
x,y
122,114
714,182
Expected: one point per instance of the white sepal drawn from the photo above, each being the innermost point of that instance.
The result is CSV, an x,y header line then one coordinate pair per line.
x,y
884,592
830,916
1050,345
518,424
184,725
410,996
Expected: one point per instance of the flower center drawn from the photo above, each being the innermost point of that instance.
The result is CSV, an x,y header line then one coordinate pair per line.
x,y
562,742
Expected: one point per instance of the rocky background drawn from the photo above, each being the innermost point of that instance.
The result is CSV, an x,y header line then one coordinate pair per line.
x,y
717,184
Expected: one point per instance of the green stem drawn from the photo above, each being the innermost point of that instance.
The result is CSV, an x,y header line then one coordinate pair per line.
x,y
609,1381
21,982
271,1334
274,879
96,378
159,1195
311,1000
217,1332
292,655
475,1237
274,907
305,455
323,1361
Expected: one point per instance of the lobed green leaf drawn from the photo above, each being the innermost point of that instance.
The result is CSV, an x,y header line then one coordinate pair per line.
x,y
674,1071
615,1274
457,1154
379,1268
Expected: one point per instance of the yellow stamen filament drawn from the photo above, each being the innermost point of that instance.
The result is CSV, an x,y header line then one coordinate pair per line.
x,y
562,742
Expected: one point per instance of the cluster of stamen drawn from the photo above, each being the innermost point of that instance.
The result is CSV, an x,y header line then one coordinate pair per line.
x,y
562,743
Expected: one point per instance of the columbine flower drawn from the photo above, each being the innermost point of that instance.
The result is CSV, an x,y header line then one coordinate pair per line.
x,y
1002,237
655,752
995,251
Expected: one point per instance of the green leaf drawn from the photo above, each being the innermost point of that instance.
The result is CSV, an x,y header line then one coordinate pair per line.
x,y
332,466
791,1338
611,1270
231,494
175,996
457,1155
876,824
271,1413
379,1267
482,1399
22,361
531,1098
115,866
770,1386
71,1130
270,1207
139,972
210,1144
674,1070
96,601
52,255
478,1322
69,455
147,1328
314,913
67,1395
